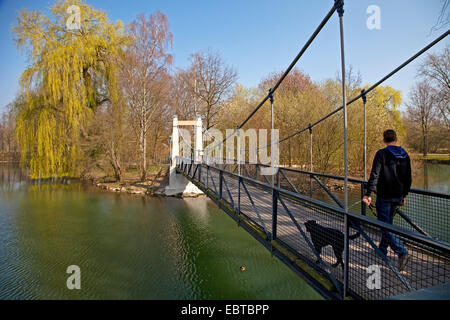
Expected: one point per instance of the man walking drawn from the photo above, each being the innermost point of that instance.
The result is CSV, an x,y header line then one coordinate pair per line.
x,y
391,178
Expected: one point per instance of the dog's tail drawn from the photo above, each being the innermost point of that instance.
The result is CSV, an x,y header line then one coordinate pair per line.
x,y
355,236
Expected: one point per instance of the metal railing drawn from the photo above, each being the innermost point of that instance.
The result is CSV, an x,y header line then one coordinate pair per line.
x,y
425,212
281,211
281,207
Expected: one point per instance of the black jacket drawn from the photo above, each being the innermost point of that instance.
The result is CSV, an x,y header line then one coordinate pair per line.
x,y
391,173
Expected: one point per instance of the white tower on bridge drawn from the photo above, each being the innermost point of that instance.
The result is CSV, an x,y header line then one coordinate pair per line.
x,y
178,184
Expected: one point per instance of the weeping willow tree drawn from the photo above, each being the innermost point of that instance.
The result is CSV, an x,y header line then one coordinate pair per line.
x,y
72,71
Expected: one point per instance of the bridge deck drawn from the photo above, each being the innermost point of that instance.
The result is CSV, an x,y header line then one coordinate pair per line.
x,y
426,267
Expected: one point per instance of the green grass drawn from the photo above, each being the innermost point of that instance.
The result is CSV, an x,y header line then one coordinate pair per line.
x,y
151,169
432,156
154,168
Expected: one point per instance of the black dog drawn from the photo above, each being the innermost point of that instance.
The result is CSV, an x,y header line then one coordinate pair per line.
x,y
322,237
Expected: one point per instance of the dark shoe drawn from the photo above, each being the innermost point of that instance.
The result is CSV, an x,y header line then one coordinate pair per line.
x,y
403,261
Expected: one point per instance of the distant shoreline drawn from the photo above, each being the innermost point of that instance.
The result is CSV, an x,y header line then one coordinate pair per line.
x,y
435,161
434,158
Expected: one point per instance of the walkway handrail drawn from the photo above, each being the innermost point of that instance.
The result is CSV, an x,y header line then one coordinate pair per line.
x,y
429,230
429,241
353,180
342,217
280,222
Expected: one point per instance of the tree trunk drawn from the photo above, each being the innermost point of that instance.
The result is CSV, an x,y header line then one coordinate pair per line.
x,y
143,149
425,145
154,147
425,176
119,174
207,117
290,158
117,170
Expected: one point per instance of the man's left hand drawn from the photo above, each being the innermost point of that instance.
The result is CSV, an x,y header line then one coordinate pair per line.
x,y
367,200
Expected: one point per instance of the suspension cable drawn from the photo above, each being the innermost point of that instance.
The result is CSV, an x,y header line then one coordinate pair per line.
x,y
373,86
366,91
288,70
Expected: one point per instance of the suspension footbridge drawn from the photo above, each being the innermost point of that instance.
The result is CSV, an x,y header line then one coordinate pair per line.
x,y
277,209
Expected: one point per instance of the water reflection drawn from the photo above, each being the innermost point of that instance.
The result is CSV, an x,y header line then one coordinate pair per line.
x,y
128,247
12,178
433,177
137,247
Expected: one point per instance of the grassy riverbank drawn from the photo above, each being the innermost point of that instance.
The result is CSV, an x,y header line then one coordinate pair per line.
x,y
433,158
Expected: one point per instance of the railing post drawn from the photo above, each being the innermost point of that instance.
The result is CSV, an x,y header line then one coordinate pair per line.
x,y
239,150
310,161
274,192
346,255
339,4
220,183
364,98
239,195
239,170
274,213
278,178
363,205
272,119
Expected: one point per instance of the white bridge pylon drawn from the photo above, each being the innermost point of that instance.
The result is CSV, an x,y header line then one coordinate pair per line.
x,y
178,184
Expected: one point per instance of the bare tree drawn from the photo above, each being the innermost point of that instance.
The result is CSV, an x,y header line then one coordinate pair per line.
x,y
210,81
182,99
7,133
145,75
421,109
436,70
444,16
104,144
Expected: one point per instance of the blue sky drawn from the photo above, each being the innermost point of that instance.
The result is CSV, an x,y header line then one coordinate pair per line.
x,y
258,37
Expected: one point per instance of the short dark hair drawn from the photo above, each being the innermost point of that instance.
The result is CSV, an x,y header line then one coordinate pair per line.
x,y
389,136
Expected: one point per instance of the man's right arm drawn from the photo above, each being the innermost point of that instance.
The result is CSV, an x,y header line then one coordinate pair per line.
x,y
374,174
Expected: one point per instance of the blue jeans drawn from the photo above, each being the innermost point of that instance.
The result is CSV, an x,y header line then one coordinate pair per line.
x,y
386,211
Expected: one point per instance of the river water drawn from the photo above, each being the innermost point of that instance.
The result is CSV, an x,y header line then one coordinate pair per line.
x,y
129,247
133,247
433,177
